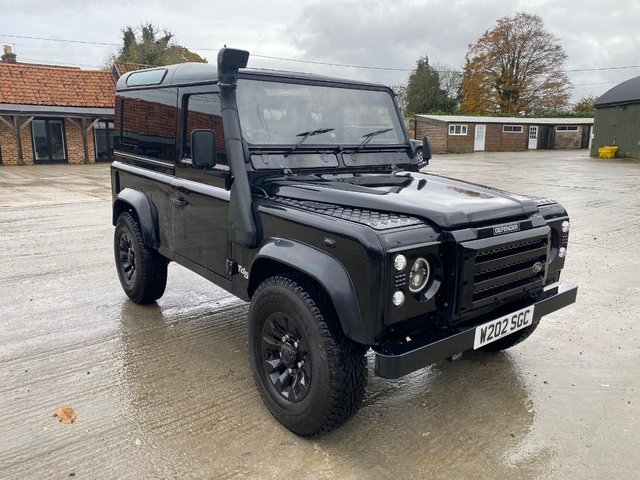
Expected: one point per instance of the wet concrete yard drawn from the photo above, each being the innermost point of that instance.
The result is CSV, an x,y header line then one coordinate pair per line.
x,y
165,391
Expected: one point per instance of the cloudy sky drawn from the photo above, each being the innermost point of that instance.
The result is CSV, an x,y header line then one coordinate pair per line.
x,y
596,34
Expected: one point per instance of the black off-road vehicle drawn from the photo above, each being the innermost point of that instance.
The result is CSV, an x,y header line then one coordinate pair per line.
x,y
302,194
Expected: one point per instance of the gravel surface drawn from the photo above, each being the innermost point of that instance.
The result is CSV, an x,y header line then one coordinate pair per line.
x,y
165,391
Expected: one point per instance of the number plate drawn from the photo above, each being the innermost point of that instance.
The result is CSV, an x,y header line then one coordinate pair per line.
x,y
503,326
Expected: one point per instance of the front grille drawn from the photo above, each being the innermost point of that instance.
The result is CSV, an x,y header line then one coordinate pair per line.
x,y
499,268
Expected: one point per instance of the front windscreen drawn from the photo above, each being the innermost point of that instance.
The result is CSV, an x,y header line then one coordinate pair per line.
x,y
278,113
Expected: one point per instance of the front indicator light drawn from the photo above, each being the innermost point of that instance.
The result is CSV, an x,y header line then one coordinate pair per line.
x,y
562,252
419,275
400,262
398,298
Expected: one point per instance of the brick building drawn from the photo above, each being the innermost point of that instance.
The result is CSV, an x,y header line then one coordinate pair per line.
x,y
51,114
463,134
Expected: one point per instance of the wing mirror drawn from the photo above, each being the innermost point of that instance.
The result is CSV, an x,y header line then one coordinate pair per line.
x,y
426,152
203,148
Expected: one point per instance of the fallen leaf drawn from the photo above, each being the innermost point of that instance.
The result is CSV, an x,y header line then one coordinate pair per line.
x,y
424,404
65,414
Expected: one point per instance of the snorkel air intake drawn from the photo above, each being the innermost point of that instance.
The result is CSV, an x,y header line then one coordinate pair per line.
x,y
242,224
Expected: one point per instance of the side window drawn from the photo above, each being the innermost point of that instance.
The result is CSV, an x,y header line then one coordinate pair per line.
x,y
147,122
203,111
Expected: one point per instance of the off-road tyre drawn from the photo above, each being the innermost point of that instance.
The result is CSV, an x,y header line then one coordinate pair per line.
x,y
142,271
510,340
336,366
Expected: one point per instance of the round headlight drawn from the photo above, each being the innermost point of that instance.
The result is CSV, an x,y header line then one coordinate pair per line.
x,y
565,227
419,275
562,252
400,262
398,298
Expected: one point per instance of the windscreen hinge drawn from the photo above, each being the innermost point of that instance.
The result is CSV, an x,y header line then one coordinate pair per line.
x,y
231,267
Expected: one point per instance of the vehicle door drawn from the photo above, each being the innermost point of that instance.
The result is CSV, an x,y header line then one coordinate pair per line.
x,y
201,198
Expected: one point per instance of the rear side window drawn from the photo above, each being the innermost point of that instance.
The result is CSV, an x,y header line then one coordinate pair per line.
x,y
203,112
147,121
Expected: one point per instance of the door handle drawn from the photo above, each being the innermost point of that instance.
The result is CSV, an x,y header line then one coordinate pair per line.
x,y
179,201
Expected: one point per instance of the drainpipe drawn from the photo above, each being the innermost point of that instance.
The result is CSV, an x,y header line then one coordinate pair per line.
x,y
242,224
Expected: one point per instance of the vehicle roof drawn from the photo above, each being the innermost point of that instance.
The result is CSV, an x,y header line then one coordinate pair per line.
x,y
193,73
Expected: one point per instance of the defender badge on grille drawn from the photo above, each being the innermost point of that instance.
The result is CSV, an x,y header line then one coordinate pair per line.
x,y
537,267
515,227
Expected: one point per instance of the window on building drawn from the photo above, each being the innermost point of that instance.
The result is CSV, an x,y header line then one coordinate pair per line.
x,y
48,140
512,128
566,128
103,135
203,111
457,129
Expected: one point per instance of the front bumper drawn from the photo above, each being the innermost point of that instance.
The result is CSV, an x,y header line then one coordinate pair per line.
x,y
396,361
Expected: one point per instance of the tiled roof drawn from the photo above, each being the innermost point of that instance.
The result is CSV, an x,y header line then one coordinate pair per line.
x,y
120,69
27,84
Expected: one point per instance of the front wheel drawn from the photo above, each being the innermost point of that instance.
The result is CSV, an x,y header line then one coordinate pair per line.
x,y
141,270
309,375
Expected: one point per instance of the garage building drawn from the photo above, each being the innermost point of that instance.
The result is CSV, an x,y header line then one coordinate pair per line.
x,y
54,114
463,134
617,119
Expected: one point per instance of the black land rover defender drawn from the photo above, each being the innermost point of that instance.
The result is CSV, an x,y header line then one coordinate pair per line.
x,y
302,194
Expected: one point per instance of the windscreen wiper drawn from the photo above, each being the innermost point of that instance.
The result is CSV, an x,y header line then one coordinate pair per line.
x,y
305,135
369,136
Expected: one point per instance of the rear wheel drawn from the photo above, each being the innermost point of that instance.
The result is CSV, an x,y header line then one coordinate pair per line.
x,y
142,271
309,375
511,340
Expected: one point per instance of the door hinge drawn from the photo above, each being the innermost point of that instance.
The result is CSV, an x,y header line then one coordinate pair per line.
x,y
231,266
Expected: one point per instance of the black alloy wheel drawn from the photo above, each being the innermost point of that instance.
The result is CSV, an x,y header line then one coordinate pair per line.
x,y
127,259
309,375
287,362
142,271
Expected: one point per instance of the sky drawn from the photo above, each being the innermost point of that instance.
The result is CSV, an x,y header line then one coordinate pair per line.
x,y
392,34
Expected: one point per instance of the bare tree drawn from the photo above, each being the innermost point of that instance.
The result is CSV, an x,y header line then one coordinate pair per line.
x,y
450,81
401,96
515,67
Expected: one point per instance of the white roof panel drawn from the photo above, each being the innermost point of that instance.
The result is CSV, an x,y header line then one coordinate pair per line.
x,y
508,120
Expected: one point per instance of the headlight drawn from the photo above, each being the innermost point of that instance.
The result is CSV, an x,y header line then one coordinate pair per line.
x,y
398,298
562,252
400,262
419,275
565,226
